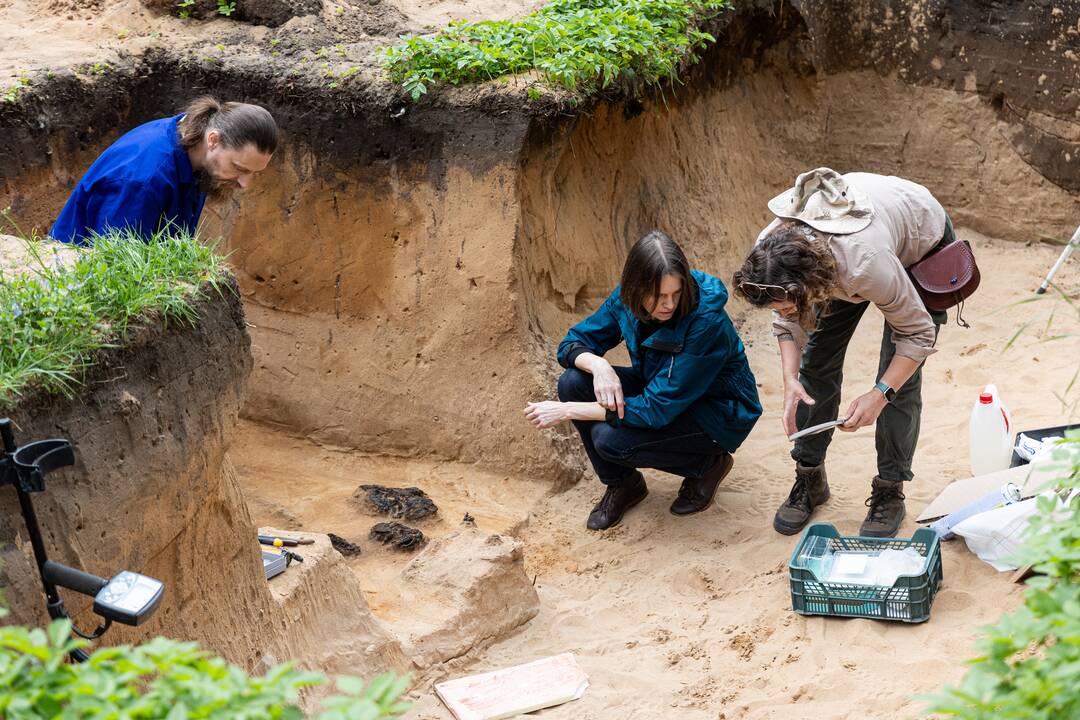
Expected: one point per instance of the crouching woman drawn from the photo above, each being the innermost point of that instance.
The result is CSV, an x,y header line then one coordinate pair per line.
x,y
686,403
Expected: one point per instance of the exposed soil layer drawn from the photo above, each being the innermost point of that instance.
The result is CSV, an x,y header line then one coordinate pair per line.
x,y
484,224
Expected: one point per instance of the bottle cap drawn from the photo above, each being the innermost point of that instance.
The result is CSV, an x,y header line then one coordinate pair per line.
x,y
985,398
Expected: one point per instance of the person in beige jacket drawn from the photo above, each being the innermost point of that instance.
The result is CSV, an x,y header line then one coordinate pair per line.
x,y
838,244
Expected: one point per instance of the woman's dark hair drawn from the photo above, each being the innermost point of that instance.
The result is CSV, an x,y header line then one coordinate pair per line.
x,y
237,123
794,257
650,259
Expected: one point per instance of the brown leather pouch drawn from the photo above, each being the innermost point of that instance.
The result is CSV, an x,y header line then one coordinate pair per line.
x,y
946,277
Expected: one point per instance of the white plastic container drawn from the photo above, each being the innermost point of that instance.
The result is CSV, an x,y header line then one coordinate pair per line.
x,y
990,433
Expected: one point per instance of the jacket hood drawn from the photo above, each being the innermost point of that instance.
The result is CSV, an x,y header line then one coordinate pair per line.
x,y
712,294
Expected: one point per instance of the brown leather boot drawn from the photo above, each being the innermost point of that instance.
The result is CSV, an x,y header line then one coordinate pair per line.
x,y
696,494
811,489
886,503
616,501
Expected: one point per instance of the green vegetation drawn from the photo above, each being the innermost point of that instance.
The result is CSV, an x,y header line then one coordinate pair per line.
x,y
1029,661
11,94
165,680
580,45
56,315
185,8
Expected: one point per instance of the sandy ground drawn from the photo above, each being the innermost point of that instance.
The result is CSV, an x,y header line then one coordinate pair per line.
x,y
690,618
297,485
84,32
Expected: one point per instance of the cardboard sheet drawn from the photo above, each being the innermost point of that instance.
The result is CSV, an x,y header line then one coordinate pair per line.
x,y
1029,478
515,690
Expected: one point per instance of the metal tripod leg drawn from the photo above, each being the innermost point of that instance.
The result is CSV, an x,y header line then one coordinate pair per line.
x,y
1073,243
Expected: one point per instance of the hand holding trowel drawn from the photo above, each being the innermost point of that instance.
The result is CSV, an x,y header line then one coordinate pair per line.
x,y
814,430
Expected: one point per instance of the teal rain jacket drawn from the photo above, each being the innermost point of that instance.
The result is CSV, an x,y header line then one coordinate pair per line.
x,y
697,365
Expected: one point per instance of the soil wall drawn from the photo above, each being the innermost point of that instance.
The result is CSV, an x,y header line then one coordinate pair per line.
x,y
153,491
408,268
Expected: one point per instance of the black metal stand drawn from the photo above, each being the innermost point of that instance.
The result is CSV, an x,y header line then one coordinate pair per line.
x,y
25,468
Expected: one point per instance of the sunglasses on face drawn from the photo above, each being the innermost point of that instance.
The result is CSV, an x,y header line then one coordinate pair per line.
x,y
760,292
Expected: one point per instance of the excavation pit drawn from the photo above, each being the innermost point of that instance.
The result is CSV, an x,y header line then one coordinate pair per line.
x,y
406,270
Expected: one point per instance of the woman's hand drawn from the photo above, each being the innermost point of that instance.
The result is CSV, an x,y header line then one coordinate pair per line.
x,y
548,413
793,394
864,411
607,386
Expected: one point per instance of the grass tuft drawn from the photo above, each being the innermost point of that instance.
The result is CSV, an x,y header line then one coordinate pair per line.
x,y
581,45
55,315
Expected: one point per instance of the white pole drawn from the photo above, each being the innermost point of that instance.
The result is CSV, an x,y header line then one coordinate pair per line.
x,y
1060,261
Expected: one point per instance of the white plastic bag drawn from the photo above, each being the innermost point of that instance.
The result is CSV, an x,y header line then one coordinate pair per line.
x,y
995,535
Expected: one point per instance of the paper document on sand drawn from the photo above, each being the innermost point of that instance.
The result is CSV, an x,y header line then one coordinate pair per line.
x,y
515,690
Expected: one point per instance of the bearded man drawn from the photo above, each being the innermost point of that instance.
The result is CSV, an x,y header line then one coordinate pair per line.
x,y
159,174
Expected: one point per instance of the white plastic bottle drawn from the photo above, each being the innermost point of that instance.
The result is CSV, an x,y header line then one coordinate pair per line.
x,y
991,438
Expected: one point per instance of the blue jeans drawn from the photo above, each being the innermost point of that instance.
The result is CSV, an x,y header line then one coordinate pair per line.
x,y
616,453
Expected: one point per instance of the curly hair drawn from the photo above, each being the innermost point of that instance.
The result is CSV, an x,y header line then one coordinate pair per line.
x,y
795,257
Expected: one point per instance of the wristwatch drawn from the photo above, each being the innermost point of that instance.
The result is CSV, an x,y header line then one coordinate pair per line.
x,y
887,391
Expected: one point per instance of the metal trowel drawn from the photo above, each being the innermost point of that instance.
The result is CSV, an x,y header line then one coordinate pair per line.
x,y
817,428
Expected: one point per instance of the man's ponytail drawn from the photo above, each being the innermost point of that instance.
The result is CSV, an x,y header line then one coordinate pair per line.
x,y
238,124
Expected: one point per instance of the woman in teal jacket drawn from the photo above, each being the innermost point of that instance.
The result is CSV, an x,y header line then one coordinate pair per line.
x,y
686,403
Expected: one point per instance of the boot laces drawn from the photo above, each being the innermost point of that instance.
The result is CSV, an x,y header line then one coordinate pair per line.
x,y
879,499
607,502
800,494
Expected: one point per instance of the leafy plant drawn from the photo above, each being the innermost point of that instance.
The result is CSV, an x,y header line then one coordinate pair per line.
x,y
56,314
185,8
1029,662
580,45
11,94
336,78
165,680
226,7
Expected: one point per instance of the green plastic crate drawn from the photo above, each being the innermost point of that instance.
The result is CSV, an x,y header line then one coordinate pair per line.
x,y
908,600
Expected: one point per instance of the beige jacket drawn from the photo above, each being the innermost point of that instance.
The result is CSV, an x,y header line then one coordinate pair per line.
x,y
871,264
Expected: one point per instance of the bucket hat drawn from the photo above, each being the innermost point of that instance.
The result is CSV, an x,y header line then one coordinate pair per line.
x,y
825,201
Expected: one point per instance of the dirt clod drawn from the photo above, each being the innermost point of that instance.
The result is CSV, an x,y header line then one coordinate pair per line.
x,y
410,503
343,546
400,536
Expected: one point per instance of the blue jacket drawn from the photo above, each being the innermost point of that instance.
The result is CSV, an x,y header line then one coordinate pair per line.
x,y
698,365
143,181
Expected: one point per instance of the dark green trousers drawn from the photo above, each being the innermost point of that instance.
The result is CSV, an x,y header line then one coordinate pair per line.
x,y
821,373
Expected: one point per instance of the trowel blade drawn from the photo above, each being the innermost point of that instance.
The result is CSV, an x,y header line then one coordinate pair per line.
x,y
817,428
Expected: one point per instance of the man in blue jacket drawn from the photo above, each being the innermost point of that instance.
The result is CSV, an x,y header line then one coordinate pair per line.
x,y
686,403
159,174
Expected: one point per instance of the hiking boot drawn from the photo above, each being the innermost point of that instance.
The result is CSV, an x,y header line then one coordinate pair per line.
x,y
616,501
886,503
696,494
811,489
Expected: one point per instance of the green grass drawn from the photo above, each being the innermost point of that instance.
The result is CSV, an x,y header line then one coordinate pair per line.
x,y
55,316
581,45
